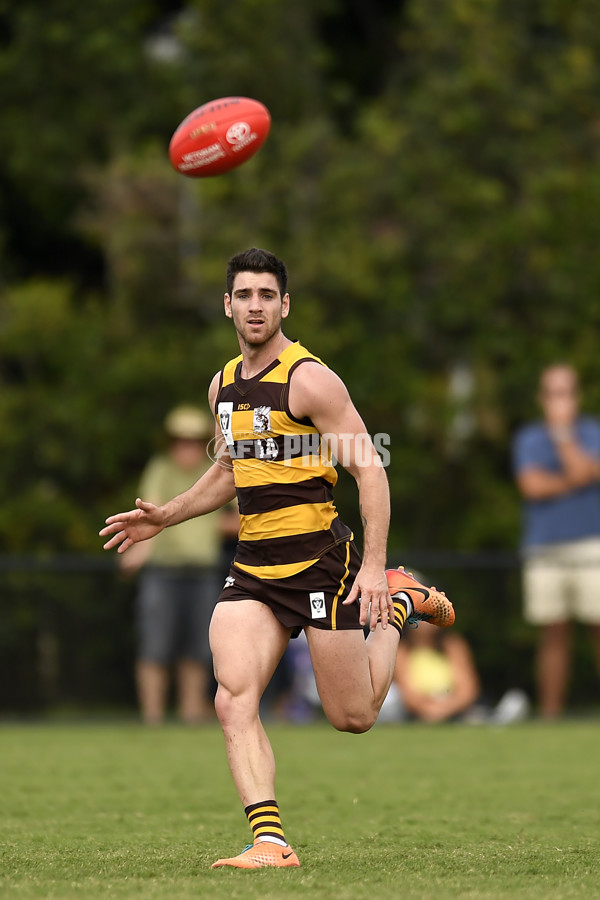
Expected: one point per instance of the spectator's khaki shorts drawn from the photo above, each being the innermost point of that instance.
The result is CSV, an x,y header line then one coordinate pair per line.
x,y
562,582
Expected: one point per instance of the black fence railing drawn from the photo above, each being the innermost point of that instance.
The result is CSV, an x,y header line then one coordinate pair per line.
x,y
67,631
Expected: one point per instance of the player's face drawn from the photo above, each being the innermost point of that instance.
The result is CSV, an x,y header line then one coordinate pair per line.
x,y
256,306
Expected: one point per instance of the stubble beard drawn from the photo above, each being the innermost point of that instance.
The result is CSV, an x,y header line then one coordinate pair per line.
x,y
255,343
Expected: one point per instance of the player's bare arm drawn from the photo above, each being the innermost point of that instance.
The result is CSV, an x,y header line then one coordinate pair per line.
x,y
319,394
212,491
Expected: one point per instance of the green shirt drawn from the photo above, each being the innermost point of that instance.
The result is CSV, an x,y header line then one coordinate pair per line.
x,y
196,542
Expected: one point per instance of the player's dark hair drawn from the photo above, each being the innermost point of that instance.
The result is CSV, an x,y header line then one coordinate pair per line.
x,y
255,260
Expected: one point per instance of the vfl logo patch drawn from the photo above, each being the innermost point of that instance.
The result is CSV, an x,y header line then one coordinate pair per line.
x,y
225,412
262,419
229,582
318,610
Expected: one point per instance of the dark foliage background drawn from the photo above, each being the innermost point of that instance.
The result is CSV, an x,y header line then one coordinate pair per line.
x,y
431,180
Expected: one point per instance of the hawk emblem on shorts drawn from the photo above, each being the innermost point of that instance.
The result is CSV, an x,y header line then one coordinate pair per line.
x,y
262,419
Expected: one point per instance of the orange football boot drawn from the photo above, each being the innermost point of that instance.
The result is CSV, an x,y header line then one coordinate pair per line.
x,y
429,605
259,855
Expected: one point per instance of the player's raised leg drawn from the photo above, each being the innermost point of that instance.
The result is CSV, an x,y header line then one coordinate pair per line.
x,y
247,642
353,675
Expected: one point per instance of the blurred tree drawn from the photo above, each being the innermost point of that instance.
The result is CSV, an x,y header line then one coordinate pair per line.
x,y
430,178
82,402
492,111
77,84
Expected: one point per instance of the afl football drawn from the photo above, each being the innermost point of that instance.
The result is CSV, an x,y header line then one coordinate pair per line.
x,y
219,136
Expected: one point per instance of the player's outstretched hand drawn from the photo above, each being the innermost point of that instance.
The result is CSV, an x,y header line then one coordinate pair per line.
x,y
131,527
371,589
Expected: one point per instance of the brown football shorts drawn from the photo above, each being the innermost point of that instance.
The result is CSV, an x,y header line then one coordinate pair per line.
x,y
312,597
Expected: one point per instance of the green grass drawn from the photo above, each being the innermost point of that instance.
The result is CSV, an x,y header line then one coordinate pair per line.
x,y
409,812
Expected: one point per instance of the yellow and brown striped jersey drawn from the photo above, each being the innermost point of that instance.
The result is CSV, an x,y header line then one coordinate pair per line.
x,y
283,472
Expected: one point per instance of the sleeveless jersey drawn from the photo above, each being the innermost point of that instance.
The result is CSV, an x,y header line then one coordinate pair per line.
x,y
283,473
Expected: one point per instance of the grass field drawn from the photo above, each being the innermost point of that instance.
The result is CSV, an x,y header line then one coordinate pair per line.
x,y
409,812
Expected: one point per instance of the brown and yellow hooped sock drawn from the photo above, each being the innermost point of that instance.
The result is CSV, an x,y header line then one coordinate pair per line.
x,y
403,607
265,822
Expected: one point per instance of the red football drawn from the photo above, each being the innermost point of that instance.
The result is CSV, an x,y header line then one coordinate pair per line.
x,y
219,136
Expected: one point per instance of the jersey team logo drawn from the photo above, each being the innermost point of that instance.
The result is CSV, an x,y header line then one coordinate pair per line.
x,y
261,422
318,609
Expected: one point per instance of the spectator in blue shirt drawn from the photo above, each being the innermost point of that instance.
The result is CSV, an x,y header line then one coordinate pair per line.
x,y
557,470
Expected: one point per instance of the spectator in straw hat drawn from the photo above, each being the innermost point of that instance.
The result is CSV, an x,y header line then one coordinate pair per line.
x,y
179,578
